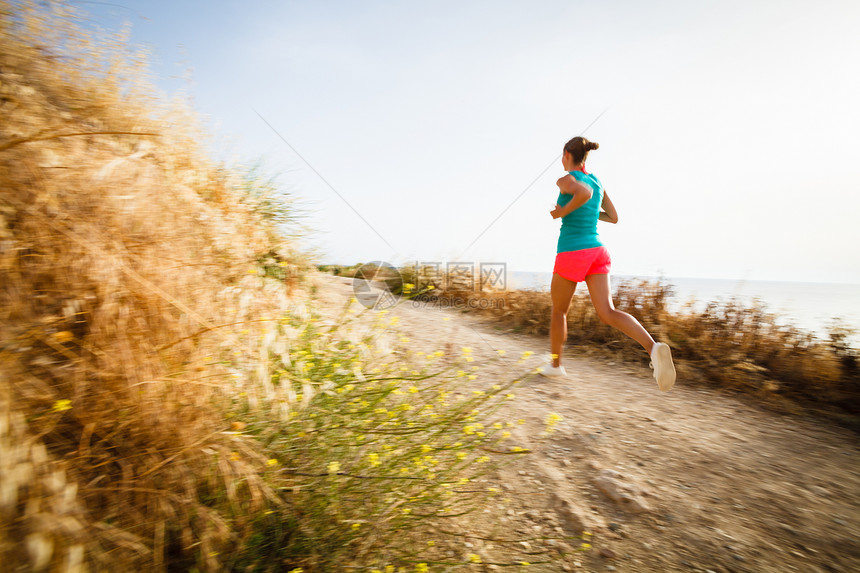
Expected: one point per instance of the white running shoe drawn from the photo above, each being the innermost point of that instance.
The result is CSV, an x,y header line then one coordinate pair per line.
x,y
664,369
551,371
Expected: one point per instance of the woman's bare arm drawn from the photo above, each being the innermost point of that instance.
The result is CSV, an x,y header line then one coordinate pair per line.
x,y
608,214
581,194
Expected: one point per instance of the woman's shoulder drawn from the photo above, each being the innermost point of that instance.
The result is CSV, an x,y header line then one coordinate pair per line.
x,y
569,184
566,181
587,178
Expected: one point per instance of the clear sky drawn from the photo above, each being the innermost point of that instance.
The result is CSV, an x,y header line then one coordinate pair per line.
x,y
730,142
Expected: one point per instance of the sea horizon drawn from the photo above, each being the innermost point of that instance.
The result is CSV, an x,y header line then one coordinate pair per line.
x,y
735,280
812,306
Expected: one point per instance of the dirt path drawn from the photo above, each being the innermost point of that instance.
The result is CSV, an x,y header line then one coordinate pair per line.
x,y
710,482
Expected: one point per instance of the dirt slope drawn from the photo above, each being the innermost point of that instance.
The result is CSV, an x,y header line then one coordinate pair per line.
x,y
705,481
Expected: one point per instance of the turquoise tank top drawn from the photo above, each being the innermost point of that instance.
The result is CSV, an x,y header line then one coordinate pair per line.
x,y
579,228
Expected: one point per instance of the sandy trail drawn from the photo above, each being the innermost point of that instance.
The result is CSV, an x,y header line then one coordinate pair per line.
x,y
715,483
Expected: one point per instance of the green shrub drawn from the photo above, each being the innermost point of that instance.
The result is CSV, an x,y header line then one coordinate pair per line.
x,y
372,456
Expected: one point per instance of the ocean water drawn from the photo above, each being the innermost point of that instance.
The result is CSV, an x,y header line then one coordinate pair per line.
x,y
809,306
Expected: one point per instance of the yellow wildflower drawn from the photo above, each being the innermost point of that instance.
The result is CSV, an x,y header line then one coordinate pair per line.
x,y
61,405
63,336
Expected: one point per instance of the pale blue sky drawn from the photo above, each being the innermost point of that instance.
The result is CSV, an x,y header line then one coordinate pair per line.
x,y
730,144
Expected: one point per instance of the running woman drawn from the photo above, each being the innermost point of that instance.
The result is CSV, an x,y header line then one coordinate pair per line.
x,y
581,256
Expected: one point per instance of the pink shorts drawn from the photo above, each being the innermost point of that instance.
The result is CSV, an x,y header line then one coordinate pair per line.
x,y
576,265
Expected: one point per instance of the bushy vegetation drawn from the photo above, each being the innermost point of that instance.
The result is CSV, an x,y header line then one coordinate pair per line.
x,y
169,400
374,453
732,344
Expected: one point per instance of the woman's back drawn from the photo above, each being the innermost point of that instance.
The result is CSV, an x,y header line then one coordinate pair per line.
x,y
579,228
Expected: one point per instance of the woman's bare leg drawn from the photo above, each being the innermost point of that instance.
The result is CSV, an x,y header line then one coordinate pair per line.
x,y
561,291
601,297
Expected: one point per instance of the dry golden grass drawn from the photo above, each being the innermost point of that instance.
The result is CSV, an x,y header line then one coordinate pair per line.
x,y
728,345
124,268
168,398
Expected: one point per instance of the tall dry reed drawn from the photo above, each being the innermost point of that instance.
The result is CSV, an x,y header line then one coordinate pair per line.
x,y
121,248
169,401
731,344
